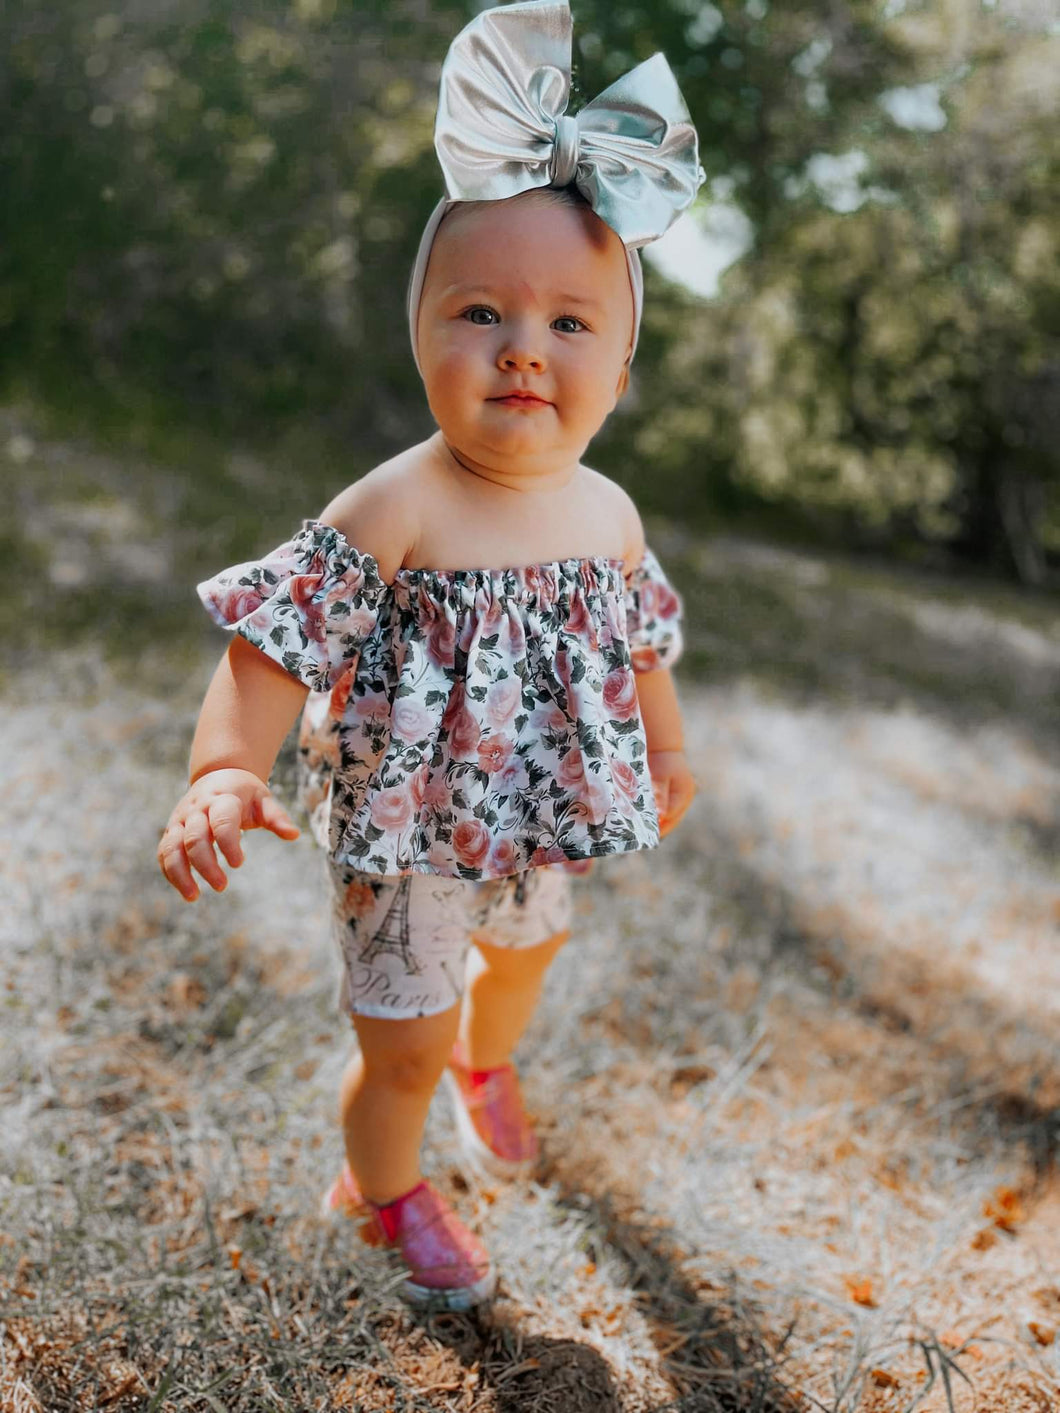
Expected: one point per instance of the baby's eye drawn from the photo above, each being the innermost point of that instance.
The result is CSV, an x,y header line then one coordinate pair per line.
x,y
472,315
565,319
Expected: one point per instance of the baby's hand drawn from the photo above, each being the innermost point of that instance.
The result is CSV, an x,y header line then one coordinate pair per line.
x,y
215,810
674,787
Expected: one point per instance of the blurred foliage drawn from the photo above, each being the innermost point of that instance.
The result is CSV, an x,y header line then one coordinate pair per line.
x,y
210,211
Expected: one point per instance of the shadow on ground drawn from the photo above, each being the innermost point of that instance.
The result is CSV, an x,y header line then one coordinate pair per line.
x,y
712,1349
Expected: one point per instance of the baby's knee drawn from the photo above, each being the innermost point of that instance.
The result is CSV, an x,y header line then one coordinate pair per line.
x,y
411,1069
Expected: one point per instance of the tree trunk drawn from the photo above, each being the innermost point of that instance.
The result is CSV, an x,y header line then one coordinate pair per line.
x,y
1021,503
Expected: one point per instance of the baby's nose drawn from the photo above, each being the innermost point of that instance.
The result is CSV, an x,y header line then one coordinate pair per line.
x,y
521,352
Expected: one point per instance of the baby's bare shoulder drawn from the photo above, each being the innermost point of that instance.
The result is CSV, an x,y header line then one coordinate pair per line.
x,y
612,500
379,512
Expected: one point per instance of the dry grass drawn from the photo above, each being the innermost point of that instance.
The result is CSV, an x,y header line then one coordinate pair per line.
x,y
796,1079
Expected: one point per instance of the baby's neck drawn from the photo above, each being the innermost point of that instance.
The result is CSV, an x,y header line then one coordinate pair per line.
x,y
537,482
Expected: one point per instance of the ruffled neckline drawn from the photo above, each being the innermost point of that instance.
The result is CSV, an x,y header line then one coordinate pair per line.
x,y
562,567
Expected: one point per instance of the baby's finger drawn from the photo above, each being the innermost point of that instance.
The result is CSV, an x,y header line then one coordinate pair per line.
x,y
198,845
681,796
276,818
662,796
226,817
174,864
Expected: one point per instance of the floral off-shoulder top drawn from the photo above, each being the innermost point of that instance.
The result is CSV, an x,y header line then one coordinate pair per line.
x,y
470,722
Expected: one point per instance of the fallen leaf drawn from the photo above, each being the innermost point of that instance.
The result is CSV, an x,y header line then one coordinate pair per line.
x,y
860,1291
1005,1209
1043,1334
983,1240
882,1379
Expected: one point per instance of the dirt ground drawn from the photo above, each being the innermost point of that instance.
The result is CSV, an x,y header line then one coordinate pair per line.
x,y
796,1075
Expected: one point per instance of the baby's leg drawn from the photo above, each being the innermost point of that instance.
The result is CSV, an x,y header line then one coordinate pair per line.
x,y
503,987
403,943
386,1092
524,922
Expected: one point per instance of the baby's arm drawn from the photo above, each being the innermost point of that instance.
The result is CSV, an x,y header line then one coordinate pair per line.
x,y
252,702
250,706
660,712
675,788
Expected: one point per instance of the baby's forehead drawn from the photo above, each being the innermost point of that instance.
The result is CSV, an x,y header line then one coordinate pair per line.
x,y
530,248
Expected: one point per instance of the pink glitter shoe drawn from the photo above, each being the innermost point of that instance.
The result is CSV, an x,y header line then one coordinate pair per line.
x,y
495,1133
447,1266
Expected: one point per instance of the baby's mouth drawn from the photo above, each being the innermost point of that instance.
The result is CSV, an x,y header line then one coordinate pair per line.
x,y
521,398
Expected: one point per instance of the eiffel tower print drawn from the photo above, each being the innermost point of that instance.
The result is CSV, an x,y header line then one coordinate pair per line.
x,y
392,934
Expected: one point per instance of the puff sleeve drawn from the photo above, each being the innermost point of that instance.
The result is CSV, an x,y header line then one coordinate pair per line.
x,y
309,604
653,617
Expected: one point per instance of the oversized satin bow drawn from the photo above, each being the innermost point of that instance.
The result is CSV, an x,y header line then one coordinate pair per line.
x,y
502,129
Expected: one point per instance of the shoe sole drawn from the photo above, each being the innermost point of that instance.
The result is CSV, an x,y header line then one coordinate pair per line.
x,y
481,1159
460,1298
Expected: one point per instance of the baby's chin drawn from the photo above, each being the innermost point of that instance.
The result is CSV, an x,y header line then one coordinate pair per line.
x,y
517,448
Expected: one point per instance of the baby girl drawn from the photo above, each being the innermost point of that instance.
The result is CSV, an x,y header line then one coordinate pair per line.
x,y
475,633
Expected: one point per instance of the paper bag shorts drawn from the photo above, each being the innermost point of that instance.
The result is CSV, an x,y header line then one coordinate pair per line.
x,y
404,940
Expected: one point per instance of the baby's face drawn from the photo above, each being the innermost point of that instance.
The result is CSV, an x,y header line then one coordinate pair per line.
x,y
524,295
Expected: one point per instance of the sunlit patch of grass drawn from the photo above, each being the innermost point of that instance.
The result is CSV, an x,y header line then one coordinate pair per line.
x,y
813,627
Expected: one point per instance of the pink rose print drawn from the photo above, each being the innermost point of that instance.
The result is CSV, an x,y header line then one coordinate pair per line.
x,y
580,623
503,856
550,719
465,735
542,856
563,668
392,809
571,770
595,801
495,621
409,721
505,696
493,754
437,793
471,842
236,602
347,586
374,704
453,706
461,726
644,659
418,786
627,785
340,694
301,588
620,694
515,642
578,620
441,642
360,622
669,603
512,777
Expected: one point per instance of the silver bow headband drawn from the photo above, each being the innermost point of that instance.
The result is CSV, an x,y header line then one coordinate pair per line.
x,y
501,129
